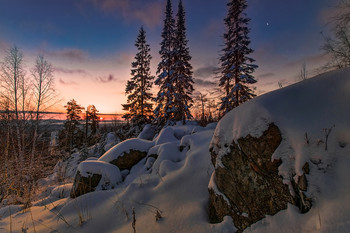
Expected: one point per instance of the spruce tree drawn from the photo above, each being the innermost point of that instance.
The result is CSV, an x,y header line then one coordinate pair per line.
x,y
182,78
236,65
93,117
165,109
71,134
138,87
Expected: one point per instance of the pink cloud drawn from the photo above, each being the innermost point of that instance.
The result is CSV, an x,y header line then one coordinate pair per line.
x,y
69,83
148,13
108,79
69,71
71,54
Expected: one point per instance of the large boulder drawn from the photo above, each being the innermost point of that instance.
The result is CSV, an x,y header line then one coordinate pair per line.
x,y
83,185
245,184
128,159
95,175
127,153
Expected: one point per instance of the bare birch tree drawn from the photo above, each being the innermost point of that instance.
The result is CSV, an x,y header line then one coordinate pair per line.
x,y
43,93
11,79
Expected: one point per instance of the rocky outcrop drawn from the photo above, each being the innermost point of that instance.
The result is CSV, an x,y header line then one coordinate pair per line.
x,y
129,159
246,182
84,185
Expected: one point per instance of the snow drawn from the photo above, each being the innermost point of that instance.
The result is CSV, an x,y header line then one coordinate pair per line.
x,y
176,183
147,133
111,140
308,107
61,191
111,175
125,147
165,135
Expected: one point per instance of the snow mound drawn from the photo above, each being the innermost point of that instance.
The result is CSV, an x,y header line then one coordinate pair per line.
x,y
111,175
125,147
148,132
165,135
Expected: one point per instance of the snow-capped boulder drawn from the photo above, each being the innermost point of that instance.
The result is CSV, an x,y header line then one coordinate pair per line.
x,y
127,153
95,175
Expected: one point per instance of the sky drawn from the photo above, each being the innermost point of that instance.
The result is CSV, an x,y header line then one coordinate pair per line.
x,y
91,42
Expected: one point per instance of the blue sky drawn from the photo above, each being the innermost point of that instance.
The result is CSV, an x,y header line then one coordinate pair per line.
x,y
91,42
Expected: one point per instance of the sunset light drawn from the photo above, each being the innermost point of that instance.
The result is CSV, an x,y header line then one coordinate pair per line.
x,y
92,57
174,116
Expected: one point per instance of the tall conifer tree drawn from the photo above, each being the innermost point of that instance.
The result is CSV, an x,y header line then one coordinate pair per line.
x,y
236,65
138,87
165,108
182,70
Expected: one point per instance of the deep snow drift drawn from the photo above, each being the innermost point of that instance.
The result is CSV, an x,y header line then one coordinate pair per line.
x,y
176,183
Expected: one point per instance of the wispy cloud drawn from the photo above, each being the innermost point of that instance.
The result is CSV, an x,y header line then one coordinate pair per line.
x,y
317,59
203,83
72,54
108,79
67,83
205,72
149,13
266,75
69,71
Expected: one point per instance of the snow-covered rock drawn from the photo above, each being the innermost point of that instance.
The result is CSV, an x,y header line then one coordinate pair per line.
x,y
95,175
246,185
124,147
310,161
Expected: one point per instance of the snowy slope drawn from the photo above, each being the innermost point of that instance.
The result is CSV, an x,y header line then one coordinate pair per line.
x,y
308,107
176,184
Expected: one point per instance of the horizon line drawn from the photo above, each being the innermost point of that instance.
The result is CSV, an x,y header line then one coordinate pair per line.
x,y
58,113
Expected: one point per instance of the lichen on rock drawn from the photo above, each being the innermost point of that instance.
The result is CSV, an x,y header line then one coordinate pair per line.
x,y
249,180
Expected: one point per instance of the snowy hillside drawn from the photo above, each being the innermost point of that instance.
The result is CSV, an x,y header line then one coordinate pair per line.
x,y
172,187
306,111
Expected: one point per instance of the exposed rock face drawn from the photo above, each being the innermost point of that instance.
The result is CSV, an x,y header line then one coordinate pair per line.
x,y
88,184
128,160
84,185
249,181
300,187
